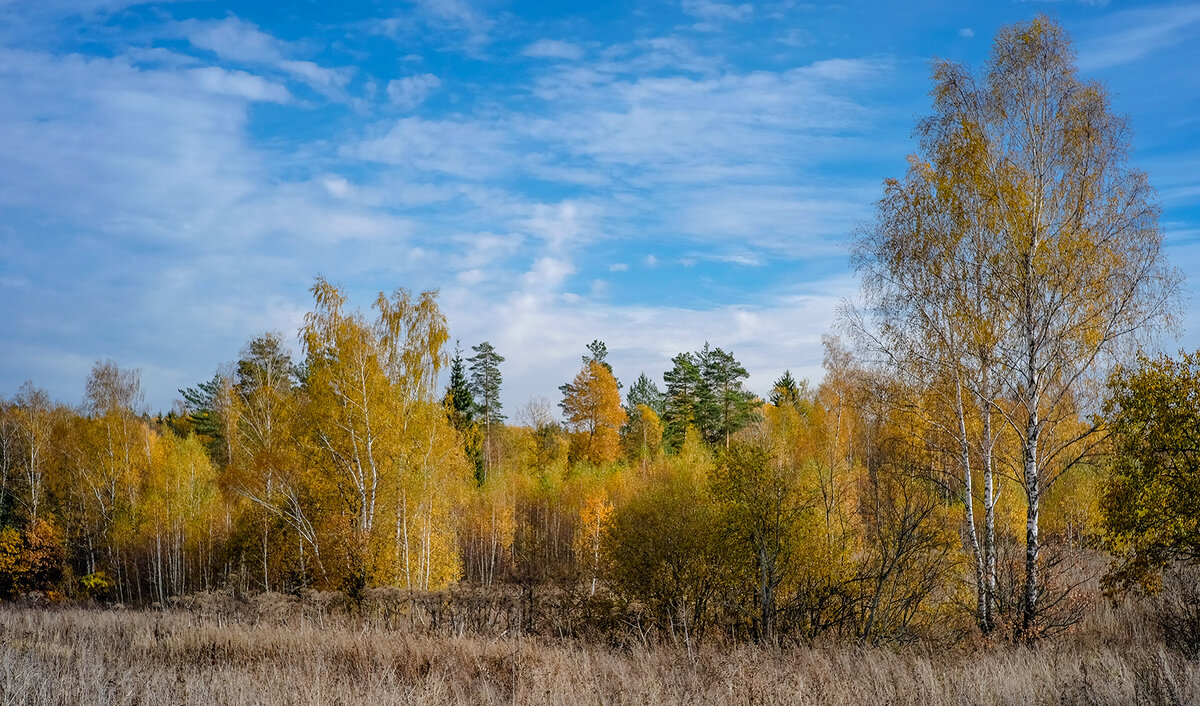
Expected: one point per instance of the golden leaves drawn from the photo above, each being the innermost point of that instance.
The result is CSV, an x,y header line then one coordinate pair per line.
x,y
593,408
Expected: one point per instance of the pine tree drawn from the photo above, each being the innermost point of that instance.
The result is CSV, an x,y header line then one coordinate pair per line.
x,y
485,386
706,390
599,352
485,382
728,406
683,383
461,409
644,391
201,403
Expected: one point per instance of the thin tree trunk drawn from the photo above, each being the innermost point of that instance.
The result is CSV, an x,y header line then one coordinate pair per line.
x,y
989,522
1033,492
969,502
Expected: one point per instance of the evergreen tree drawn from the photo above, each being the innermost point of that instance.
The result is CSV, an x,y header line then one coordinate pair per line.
x,y
460,403
785,391
461,409
644,391
683,383
485,387
727,405
485,383
201,405
706,390
599,352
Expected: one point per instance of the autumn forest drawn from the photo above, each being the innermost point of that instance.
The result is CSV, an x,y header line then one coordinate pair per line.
x,y
994,455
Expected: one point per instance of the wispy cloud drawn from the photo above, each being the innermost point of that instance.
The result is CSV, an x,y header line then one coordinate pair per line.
x,y
212,79
1132,34
460,148
188,168
554,49
411,91
714,14
458,21
235,40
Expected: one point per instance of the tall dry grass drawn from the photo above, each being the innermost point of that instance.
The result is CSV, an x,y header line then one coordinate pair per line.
x,y
92,656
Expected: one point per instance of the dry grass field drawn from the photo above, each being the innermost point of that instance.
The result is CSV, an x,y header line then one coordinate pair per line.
x,y
94,656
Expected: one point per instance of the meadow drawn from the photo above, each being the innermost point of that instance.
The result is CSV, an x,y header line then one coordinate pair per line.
x,y
272,649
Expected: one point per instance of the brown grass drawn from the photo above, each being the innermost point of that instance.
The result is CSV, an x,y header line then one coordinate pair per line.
x,y
92,656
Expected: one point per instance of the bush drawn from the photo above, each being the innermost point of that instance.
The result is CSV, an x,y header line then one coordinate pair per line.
x,y
663,553
96,586
31,560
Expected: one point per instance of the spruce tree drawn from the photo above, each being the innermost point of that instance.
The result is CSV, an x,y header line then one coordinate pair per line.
x,y
785,391
460,403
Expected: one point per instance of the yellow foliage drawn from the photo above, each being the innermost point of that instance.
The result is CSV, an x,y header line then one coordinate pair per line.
x,y
593,408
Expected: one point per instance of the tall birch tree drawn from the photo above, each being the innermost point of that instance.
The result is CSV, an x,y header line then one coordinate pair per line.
x,y
1034,261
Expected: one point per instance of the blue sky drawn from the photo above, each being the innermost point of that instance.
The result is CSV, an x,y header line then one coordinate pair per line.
x,y
657,175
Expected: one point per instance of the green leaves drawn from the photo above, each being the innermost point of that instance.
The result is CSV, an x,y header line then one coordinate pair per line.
x,y
485,382
707,390
1151,505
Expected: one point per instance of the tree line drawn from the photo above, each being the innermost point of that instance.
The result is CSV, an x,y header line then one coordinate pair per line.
x,y
981,427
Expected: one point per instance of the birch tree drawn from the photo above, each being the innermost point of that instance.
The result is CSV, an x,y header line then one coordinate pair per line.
x,y
1035,261
33,419
265,461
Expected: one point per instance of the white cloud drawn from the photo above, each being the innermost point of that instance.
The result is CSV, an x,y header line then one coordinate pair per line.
x,y
457,13
846,70
652,54
486,250
1132,34
730,127
457,19
560,225
966,33
330,82
145,180
774,217
235,40
239,83
411,91
461,148
336,185
548,274
554,49
716,12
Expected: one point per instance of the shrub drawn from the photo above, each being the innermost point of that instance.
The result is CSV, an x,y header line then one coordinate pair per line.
x,y
31,560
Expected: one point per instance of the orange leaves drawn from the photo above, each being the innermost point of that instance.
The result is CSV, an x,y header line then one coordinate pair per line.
x,y
30,560
592,404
